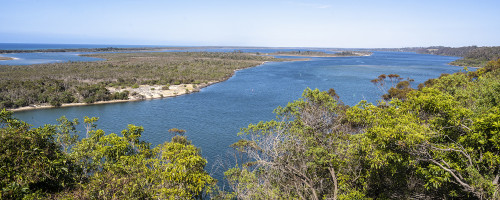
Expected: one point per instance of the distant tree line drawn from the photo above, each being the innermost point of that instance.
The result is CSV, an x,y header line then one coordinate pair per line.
x,y
353,53
478,57
301,52
473,56
321,53
447,51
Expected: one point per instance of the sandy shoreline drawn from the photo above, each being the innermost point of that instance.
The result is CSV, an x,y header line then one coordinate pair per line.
x,y
143,92
7,58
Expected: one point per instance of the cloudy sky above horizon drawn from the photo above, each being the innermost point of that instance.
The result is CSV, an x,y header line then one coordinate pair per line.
x,y
271,23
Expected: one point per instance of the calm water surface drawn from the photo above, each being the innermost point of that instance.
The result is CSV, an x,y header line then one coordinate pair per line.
x,y
214,116
57,57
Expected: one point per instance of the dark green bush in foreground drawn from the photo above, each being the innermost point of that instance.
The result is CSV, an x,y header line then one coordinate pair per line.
x,y
51,163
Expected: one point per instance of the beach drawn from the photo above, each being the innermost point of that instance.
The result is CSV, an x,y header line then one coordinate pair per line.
x,y
143,92
7,58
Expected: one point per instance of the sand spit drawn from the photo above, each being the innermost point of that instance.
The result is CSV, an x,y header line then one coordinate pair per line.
x,y
143,92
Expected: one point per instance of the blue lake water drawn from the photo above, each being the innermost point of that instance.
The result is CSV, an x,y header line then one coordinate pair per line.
x,y
56,57
35,46
42,58
53,57
213,116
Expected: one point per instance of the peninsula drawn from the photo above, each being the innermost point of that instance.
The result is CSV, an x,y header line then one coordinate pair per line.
x,y
120,77
6,58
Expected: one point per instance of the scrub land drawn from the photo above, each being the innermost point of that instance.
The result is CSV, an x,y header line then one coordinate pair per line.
x,y
120,77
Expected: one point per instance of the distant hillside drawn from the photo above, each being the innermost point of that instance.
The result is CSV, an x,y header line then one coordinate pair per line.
x,y
473,56
447,51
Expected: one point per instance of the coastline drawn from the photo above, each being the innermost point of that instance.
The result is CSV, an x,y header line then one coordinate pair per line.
x,y
144,92
2,58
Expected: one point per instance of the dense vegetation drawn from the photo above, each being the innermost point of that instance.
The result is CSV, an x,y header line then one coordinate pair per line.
x,y
478,57
323,54
447,51
438,141
473,56
441,141
58,83
50,162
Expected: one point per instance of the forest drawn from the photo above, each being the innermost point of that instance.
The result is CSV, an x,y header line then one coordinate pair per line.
x,y
438,141
478,57
473,56
87,82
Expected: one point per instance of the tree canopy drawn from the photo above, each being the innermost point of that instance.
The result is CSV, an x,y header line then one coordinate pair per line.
x,y
440,141
50,162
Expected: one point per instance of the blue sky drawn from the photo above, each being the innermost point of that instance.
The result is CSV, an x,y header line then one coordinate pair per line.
x,y
278,23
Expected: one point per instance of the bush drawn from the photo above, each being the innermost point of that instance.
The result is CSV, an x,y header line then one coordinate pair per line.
x,y
32,163
21,102
55,103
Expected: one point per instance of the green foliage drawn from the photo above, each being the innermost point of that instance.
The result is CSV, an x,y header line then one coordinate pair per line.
x,y
398,88
18,93
176,131
32,164
301,154
120,95
472,55
438,142
447,51
478,57
60,83
50,162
